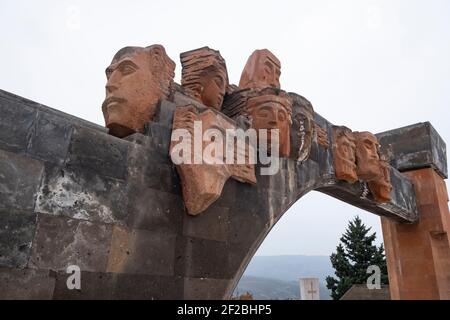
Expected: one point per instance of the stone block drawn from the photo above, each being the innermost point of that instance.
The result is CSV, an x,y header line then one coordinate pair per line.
x,y
17,230
141,252
20,177
132,286
205,289
26,284
120,286
212,224
61,242
94,286
50,138
82,194
203,258
15,124
151,209
414,147
102,153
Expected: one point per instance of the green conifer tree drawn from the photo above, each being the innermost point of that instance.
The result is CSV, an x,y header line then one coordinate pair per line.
x,y
354,254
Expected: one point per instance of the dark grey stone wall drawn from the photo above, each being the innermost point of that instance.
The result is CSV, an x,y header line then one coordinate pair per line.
x,y
70,194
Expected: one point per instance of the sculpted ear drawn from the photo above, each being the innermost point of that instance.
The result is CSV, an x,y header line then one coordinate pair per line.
x,y
160,60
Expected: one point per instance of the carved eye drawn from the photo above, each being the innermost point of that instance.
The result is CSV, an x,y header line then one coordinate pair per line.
x,y
108,73
282,116
263,112
127,69
219,81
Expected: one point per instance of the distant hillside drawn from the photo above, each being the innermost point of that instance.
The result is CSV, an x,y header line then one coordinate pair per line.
x,y
277,277
273,289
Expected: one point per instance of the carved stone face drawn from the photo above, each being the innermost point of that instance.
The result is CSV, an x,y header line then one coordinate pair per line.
x,y
204,74
213,84
202,183
367,159
344,154
271,112
136,79
381,188
262,70
303,128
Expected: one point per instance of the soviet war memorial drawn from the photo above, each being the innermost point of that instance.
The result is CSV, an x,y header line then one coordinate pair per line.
x,y
193,159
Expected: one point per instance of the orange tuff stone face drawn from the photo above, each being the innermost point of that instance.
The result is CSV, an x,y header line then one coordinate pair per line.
x,y
271,112
344,154
367,159
382,187
137,79
205,76
202,182
262,70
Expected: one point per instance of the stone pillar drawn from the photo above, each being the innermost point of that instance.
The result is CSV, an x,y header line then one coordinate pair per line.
x,y
418,255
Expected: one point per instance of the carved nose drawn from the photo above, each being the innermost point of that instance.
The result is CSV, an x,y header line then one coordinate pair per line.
x,y
272,123
110,88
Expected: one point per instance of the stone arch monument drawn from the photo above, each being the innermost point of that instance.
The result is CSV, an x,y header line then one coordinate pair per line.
x,y
116,203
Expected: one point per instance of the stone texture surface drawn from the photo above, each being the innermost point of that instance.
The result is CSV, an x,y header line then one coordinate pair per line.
x,y
81,193
16,235
20,177
418,255
98,152
415,147
141,252
114,207
27,284
50,137
60,242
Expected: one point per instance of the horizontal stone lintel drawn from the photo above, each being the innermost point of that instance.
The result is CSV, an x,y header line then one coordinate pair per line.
x,y
414,147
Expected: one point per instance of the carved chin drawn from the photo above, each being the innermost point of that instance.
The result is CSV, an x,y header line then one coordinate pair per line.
x,y
119,130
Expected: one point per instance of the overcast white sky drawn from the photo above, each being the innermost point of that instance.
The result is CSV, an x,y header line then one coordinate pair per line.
x,y
370,65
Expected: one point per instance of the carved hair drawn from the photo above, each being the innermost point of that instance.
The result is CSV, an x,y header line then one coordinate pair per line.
x,y
250,72
241,102
196,63
345,132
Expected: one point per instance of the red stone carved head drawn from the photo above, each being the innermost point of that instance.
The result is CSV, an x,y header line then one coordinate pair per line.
x,y
344,154
382,187
367,159
205,76
270,111
137,79
262,70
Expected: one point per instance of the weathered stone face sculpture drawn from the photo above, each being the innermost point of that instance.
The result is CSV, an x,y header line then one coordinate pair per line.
x,y
271,111
344,154
205,76
136,80
321,135
367,159
262,70
382,187
303,127
202,179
